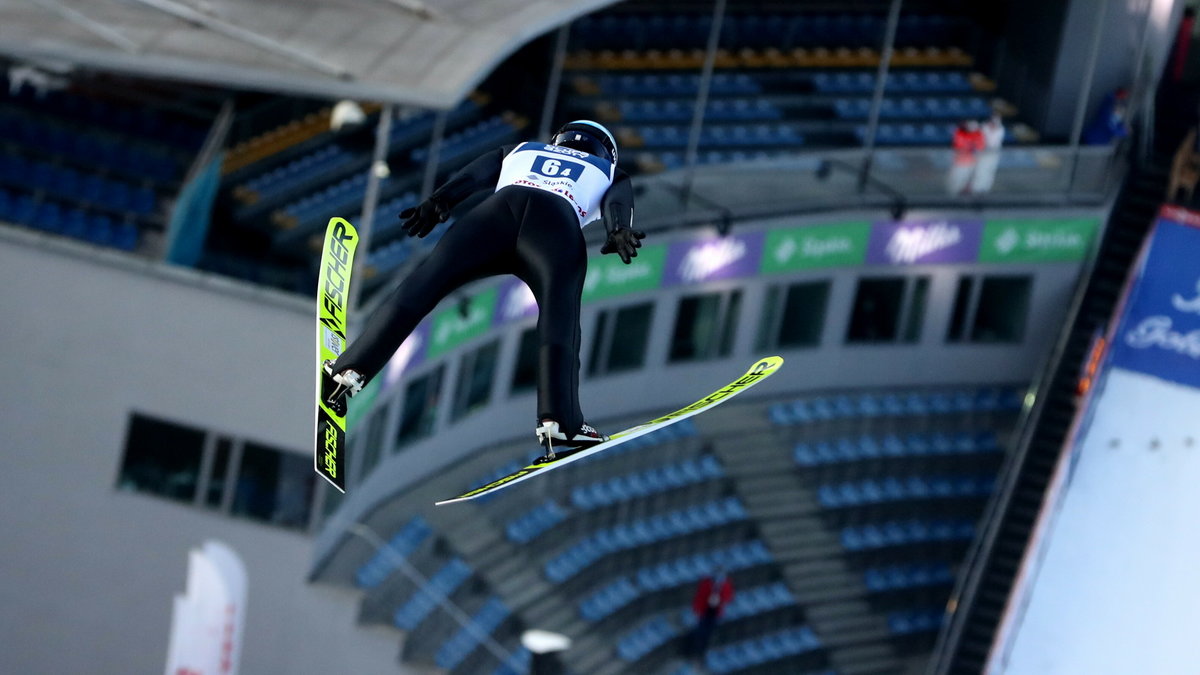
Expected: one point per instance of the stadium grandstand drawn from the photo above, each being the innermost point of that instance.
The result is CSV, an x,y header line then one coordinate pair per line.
x,y
950,319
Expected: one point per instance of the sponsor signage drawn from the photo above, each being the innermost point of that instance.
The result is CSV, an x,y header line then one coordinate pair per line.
x,y
1041,240
608,277
410,353
450,328
208,620
921,242
817,246
713,259
516,302
1159,334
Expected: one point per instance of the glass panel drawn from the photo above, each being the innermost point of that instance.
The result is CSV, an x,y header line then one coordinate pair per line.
x,y
274,486
220,468
373,447
804,314
420,406
729,323
696,326
475,378
599,339
962,302
916,310
1003,305
161,458
876,310
766,325
631,332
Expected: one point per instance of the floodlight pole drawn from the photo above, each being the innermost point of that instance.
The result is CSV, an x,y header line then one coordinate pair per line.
x,y
710,59
383,134
885,61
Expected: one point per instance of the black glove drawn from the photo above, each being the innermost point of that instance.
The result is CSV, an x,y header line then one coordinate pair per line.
x,y
420,220
624,242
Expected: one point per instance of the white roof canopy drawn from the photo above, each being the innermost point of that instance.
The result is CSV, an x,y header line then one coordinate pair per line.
x,y
418,52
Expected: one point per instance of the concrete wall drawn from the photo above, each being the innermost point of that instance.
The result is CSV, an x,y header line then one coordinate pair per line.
x,y
89,572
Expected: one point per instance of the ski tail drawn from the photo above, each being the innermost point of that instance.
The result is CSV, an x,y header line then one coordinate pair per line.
x,y
333,287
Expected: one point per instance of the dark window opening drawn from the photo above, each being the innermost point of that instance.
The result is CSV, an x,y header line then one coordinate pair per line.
x,y
162,458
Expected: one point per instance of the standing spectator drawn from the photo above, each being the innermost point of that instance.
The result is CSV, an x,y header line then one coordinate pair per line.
x,y
968,141
713,593
989,157
1109,123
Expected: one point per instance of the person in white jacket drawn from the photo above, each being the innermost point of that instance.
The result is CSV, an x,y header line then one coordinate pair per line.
x,y
989,157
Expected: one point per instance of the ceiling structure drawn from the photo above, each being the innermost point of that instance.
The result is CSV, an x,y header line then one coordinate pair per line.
x,y
429,53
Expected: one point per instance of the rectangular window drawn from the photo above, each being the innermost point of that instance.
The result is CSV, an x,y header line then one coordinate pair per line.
x,y
526,371
704,326
220,469
274,486
887,309
161,458
990,309
794,316
373,447
420,407
620,340
962,307
475,373
1003,306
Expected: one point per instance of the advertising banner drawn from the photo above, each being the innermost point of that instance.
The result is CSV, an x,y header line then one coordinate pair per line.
x,y
814,247
451,329
608,277
1041,240
917,242
1160,329
712,259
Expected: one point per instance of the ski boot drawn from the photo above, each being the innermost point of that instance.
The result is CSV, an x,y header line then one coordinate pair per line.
x,y
549,433
336,387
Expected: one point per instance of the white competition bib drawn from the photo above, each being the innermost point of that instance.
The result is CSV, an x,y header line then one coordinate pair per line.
x,y
577,177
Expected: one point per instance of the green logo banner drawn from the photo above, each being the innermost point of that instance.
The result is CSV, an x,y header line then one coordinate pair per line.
x,y
812,247
608,277
1037,240
450,329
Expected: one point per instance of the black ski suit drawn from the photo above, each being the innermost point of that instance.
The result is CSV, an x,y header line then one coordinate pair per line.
x,y
525,231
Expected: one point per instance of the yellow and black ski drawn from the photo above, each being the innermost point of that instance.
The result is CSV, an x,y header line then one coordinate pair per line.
x,y
333,293
762,369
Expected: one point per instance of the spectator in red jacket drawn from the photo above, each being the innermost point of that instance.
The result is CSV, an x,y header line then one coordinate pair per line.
x,y
968,142
713,593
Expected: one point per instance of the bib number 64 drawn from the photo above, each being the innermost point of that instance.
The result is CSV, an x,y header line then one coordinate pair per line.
x,y
557,168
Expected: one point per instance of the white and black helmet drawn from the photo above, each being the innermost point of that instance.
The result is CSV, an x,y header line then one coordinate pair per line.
x,y
588,136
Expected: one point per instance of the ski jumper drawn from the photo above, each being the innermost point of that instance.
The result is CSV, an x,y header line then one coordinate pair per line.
x,y
530,227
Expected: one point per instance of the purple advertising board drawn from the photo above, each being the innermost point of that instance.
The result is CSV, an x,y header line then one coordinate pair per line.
x,y
410,353
920,242
711,259
1159,333
516,302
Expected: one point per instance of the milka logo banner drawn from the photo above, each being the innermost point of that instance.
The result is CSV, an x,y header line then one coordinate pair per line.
x,y
516,302
922,242
1160,331
697,261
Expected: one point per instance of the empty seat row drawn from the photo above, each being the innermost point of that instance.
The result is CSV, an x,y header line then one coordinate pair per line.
x,y
398,251
677,160
340,197
915,621
454,650
642,532
685,30
77,186
140,121
895,404
693,567
103,152
931,107
645,638
69,221
442,584
751,601
675,84
271,185
518,663
773,136
537,520
901,577
910,134
891,489
643,483
904,532
892,445
719,110
385,561
908,81
472,140
762,649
